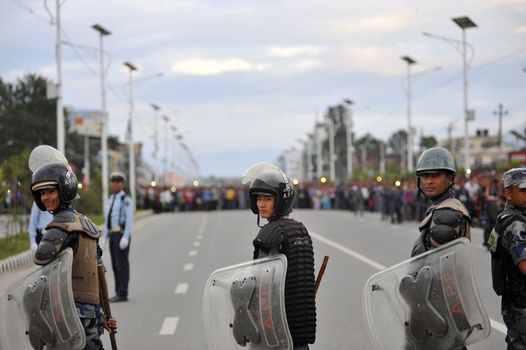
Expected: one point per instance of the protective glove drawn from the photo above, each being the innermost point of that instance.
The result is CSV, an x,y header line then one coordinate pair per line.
x,y
103,242
34,246
123,244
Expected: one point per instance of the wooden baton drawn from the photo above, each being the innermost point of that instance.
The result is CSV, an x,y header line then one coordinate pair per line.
x,y
322,271
103,292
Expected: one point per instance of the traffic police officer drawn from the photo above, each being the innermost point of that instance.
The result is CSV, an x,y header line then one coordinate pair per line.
x,y
507,243
271,198
447,218
54,188
117,228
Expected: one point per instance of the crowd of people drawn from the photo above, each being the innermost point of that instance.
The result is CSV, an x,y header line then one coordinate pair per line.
x,y
399,201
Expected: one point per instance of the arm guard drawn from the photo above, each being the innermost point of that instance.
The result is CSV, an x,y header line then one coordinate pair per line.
x,y
268,240
51,244
447,225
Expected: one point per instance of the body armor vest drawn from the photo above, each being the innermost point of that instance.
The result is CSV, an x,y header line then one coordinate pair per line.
x,y
84,271
291,238
514,288
429,221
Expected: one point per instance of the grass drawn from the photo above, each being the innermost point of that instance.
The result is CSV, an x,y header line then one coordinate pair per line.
x,y
13,245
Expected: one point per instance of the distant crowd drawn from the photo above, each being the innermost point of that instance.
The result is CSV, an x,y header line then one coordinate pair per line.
x,y
481,194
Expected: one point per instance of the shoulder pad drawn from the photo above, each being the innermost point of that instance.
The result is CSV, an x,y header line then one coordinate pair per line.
x,y
455,204
89,227
270,235
74,222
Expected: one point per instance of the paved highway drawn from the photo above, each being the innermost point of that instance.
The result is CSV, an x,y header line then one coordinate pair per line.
x,y
173,254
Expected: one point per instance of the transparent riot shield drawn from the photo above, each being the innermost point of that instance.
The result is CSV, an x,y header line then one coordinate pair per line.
x,y
427,302
38,310
244,306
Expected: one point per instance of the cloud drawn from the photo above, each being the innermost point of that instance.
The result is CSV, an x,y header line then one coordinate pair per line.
x,y
379,24
289,51
372,59
198,66
520,29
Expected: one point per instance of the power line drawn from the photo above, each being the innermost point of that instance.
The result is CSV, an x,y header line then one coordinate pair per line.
x,y
27,8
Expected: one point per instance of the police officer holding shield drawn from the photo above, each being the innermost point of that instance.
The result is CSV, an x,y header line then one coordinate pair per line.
x,y
507,243
447,218
271,198
54,188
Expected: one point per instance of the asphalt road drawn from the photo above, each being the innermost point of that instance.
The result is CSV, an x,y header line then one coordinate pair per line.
x,y
172,256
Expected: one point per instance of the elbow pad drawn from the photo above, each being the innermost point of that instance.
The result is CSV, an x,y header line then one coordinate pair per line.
x,y
50,246
445,227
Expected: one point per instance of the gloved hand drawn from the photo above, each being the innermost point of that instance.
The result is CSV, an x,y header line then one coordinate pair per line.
x,y
103,242
123,244
34,246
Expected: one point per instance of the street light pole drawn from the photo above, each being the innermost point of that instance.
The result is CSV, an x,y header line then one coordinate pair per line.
x,y
104,129
61,138
464,23
156,109
409,61
350,146
131,162
332,165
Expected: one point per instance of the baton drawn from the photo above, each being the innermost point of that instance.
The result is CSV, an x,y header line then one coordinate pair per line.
x,y
322,271
105,302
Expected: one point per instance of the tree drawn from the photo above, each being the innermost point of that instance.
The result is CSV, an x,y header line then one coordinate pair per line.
x,y
428,142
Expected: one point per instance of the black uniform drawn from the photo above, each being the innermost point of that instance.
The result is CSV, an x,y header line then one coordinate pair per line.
x,y
291,238
507,252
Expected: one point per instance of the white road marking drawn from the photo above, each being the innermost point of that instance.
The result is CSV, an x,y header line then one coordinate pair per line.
x,y
196,244
192,252
169,326
201,231
199,237
499,327
348,251
188,267
181,288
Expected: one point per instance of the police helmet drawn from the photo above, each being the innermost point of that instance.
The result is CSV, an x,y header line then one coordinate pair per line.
x,y
268,179
434,160
515,177
117,176
54,175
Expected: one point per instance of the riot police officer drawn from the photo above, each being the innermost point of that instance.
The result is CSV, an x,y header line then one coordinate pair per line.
x,y
507,244
447,218
54,188
271,197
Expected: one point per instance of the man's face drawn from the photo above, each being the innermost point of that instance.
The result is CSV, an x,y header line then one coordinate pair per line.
x,y
435,184
117,185
50,198
265,204
516,196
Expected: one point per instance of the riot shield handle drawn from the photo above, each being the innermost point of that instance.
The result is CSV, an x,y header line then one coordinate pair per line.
x,y
103,292
322,271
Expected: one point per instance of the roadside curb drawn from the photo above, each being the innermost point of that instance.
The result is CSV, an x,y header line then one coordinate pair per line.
x,y
16,260
25,257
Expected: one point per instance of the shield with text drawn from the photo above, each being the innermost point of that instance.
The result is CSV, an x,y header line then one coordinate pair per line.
x,y
430,301
38,310
244,306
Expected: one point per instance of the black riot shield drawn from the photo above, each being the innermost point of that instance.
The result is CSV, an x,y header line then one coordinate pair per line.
x,y
428,302
244,306
38,310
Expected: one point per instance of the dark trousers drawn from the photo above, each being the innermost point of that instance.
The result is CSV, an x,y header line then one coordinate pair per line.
x,y
120,265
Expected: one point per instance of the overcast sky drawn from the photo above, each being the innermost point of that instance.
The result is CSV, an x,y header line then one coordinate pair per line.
x,y
249,78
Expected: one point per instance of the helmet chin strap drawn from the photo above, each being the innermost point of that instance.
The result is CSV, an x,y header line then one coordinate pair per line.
x,y
259,218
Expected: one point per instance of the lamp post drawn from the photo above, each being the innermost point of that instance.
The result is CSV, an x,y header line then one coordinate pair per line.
x,y
61,138
104,129
132,68
165,158
409,62
350,146
464,23
156,109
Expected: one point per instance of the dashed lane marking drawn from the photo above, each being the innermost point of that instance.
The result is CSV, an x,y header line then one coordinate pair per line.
x,y
169,326
181,288
196,244
199,237
188,267
494,324
192,252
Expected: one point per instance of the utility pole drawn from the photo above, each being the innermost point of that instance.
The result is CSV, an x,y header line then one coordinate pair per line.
x,y
131,162
350,147
61,138
464,23
104,129
409,62
156,109
449,131
500,112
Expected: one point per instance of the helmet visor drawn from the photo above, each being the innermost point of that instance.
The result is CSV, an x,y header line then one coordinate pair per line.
x,y
266,172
